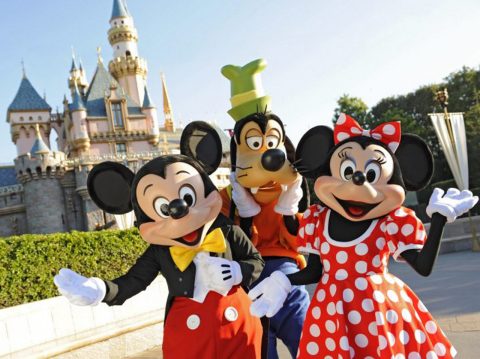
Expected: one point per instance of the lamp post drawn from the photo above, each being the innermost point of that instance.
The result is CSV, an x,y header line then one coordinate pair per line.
x,y
450,130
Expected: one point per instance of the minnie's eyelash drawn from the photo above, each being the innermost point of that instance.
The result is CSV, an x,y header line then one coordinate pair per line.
x,y
380,161
342,154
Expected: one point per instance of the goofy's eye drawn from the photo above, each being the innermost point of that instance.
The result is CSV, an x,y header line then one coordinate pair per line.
x,y
161,207
346,169
254,142
272,141
187,193
373,172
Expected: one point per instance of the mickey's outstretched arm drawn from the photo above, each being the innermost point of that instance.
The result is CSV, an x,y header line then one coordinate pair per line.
x,y
310,274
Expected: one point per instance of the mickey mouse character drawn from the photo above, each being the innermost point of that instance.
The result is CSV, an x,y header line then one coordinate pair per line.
x,y
359,309
206,260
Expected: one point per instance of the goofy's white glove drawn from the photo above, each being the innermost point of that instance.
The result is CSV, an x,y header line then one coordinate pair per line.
x,y
287,204
78,289
273,292
451,205
246,205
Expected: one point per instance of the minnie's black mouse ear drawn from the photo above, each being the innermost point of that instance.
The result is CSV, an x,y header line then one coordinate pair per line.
x,y
109,186
201,142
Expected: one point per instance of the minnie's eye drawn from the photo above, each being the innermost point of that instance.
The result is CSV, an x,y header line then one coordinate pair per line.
x,y
347,168
160,205
187,193
373,172
254,142
272,141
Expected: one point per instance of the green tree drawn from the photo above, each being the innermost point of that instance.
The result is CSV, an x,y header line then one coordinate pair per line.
x,y
352,106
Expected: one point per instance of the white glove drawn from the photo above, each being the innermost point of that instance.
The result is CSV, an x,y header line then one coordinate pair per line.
x,y
451,205
273,291
78,289
246,205
287,204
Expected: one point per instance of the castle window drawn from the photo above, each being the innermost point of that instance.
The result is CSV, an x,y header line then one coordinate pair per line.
x,y
121,148
128,53
30,118
117,115
21,118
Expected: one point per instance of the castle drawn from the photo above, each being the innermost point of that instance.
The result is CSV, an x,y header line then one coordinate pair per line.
x,y
112,117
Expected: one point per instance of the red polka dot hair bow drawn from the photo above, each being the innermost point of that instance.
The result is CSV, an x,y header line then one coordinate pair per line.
x,y
389,133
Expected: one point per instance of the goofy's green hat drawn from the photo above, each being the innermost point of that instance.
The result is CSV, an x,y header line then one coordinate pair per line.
x,y
247,92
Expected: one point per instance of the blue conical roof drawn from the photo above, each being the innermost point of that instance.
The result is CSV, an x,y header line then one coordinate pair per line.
x,y
77,102
74,64
27,98
39,146
119,9
147,103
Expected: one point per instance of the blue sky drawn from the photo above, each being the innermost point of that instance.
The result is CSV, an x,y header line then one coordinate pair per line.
x,y
317,50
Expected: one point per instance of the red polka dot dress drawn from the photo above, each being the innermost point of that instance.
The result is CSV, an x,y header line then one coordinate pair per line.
x,y
359,309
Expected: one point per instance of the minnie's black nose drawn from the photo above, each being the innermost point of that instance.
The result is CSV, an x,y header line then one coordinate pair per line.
x,y
178,208
273,160
358,178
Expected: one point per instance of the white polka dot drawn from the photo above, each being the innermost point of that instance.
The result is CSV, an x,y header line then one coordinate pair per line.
x,y
400,213
403,337
361,283
431,327
330,343
361,267
420,336
392,228
399,356
367,305
356,131
348,295
307,213
379,318
309,228
388,129
391,247
321,295
383,227
341,274
406,315
330,326
414,355
392,316
324,248
372,328
354,317
391,339
405,296
342,136
315,330
326,265
361,340
339,307
380,243
376,261
378,296
301,232
389,278
382,342
325,278
376,278
377,136
352,352
431,355
341,119
316,243
440,349
312,348
407,229
342,257
422,307
393,146
344,343
392,295
333,289
331,308
361,249
316,312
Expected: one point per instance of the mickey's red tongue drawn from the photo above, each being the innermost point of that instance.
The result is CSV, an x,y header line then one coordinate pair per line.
x,y
356,211
191,236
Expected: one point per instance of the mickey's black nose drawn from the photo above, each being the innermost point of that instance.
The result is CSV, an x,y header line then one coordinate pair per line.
x,y
273,160
358,178
178,208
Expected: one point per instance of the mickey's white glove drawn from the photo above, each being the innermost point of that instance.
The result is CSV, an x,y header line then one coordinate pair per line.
x,y
273,291
287,204
246,205
78,289
451,205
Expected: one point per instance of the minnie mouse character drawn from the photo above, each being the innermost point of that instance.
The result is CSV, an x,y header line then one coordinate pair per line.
x,y
358,308
206,260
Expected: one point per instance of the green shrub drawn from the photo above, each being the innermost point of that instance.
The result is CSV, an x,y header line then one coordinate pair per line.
x,y
29,262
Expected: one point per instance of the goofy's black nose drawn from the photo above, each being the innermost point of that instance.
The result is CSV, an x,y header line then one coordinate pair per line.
x,y
273,160
178,208
358,178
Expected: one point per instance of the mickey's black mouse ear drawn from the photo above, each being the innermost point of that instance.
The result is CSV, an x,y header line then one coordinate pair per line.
x,y
312,152
201,142
109,186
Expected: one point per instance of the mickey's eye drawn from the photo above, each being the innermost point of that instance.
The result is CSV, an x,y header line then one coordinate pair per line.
x,y
373,172
346,169
254,142
272,141
161,207
187,193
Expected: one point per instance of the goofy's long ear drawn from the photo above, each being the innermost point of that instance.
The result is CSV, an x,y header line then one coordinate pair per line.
x,y
201,142
312,155
416,162
109,185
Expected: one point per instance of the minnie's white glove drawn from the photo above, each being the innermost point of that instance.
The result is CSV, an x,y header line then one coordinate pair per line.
x,y
287,204
246,205
78,289
273,291
451,205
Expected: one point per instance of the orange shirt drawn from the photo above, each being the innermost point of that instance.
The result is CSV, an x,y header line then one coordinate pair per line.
x,y
269,234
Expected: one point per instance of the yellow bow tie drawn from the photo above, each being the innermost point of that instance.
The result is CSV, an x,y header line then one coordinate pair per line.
x,y
213,242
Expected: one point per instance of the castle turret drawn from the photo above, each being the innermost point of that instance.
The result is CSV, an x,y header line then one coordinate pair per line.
x,y
77,77
167,108
149,109
127,66
79,131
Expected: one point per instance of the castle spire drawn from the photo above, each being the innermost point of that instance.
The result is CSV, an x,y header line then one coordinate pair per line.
x,y
39,146
119,9
147,102
167,108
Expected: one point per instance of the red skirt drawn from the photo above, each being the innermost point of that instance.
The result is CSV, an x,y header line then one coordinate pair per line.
x,y
220,327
